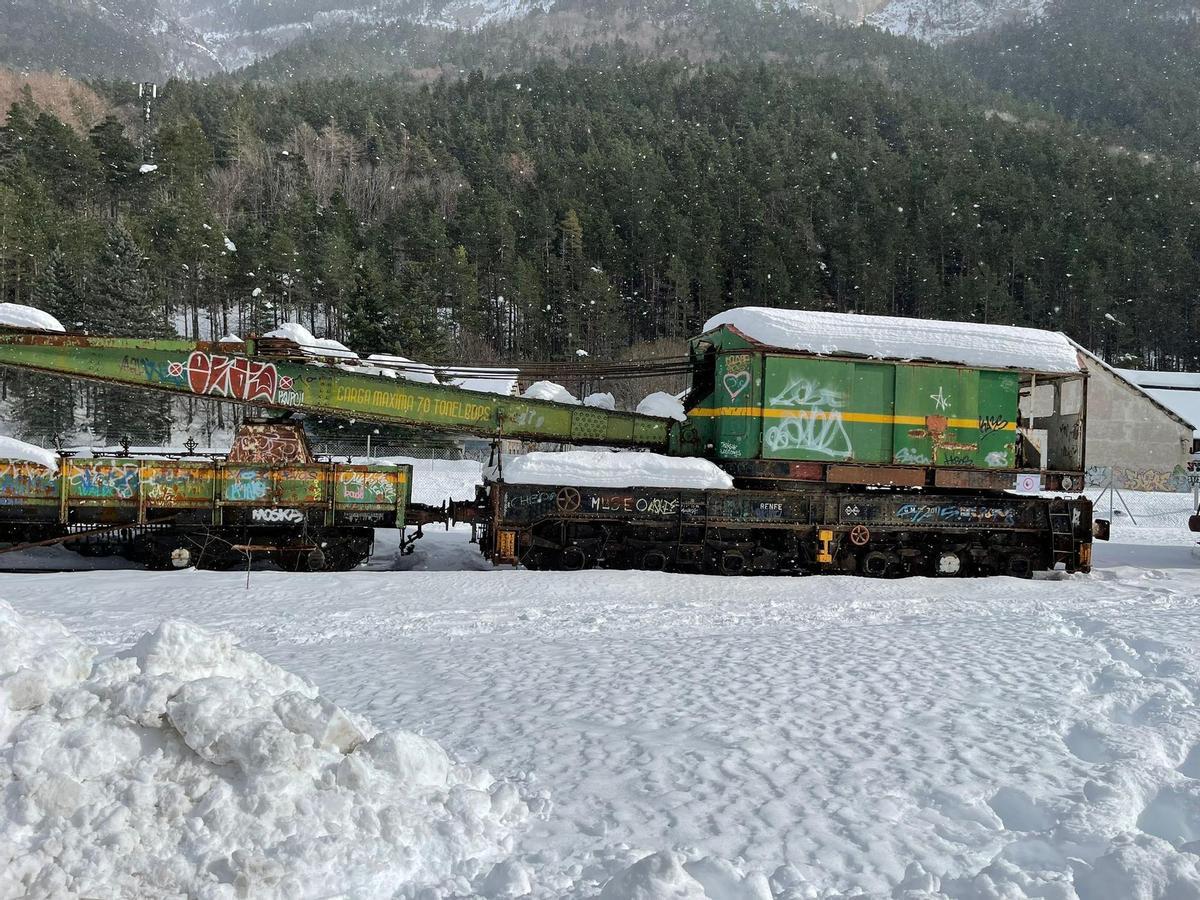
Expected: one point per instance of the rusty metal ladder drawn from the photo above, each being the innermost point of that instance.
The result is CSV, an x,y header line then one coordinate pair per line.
x,y
1062,532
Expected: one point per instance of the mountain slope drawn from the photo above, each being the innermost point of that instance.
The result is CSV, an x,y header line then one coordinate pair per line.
x,y
1127,68
153,39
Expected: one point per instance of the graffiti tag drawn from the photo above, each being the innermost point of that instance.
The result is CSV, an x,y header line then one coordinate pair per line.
x,y
988,424
277,516
817,428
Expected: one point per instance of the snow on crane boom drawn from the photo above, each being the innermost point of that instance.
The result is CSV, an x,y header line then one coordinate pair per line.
x,y
243,373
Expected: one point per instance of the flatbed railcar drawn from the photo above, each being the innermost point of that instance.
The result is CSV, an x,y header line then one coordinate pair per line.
x,y
879,533
269,499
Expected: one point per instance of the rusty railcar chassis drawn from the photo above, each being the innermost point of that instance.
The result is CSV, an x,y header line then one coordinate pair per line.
x,y
879,533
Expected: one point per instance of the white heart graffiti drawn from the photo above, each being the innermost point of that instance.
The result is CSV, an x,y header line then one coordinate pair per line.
x,y
736,383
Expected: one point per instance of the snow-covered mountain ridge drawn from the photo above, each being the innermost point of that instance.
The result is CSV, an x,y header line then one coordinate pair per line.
x,y
159,38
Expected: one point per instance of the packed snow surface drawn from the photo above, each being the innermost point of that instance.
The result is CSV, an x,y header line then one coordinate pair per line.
x,y
601,468
309,344
11,448
892,337
549,390
17,315
663,406
186,765
697,737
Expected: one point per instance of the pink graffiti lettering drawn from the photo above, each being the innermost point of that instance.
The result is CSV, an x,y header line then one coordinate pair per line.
x,y
236,378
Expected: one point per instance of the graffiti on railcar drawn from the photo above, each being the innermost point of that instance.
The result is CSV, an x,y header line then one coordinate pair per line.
x,y
272,516
299,485
215,375
104,481
21,481
955,513
367,487
168,484
530,503
270,444
247,485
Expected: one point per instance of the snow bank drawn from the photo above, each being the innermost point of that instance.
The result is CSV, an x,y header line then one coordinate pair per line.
x,y
891,337
190,767
600,468
549,390
17,315
601,401
662,405
312,346
11,448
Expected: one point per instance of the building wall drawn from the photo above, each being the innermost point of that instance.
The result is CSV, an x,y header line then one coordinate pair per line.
x,y
1144,446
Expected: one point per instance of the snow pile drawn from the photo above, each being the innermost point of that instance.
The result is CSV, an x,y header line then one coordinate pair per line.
x,y
549,390
401,367
664,875
483,381
230,339
601,401
891,337
17,315
663,406
147,168
11,448
312,346
600,468
190,767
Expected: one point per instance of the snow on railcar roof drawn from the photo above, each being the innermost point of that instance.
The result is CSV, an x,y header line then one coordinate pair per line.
x,y
604,469
893,337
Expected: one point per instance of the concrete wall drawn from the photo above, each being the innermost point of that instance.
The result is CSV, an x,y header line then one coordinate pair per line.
x,y
1145,447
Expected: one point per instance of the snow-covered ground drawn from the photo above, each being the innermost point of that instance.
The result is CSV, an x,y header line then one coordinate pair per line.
x,y
823,737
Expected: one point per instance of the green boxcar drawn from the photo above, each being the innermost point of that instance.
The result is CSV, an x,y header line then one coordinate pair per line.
x,y
776,406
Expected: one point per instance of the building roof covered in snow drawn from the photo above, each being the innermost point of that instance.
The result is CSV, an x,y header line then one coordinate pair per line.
x,y
892,337
1178,392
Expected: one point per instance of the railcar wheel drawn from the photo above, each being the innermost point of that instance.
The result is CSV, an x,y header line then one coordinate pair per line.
x,y
574,559
1020,566
654,561
878,564
732,563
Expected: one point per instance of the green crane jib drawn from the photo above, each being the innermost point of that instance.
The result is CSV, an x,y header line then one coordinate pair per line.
x,y
223,371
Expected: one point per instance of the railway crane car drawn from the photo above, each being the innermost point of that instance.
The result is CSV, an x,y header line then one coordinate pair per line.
x,y
865,444
854,444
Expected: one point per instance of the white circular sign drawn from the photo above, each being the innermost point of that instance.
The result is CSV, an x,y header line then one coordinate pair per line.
x,y
1029,484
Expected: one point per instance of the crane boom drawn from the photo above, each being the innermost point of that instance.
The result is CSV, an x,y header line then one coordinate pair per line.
x,y
236,373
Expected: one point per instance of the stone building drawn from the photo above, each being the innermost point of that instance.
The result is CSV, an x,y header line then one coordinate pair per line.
x,y
1132,436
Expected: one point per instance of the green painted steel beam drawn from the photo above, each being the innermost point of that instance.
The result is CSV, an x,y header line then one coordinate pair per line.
x,y
208,370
